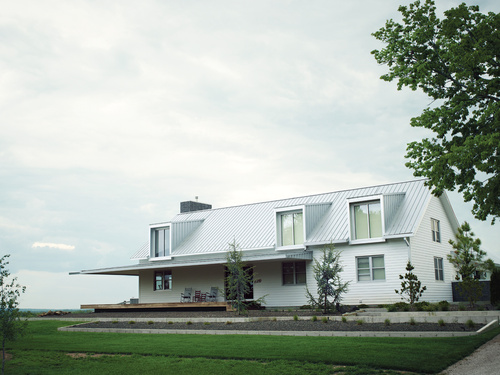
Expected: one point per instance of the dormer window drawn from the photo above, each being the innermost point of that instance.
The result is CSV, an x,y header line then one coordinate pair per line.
x,y
366,219
160,242
290,227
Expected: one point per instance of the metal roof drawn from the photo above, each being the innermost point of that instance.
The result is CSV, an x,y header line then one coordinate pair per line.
x,y
253,226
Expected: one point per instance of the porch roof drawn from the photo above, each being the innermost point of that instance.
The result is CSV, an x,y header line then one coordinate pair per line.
x,y
133,270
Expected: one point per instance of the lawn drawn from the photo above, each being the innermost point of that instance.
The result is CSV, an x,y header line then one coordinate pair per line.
x,y
44,351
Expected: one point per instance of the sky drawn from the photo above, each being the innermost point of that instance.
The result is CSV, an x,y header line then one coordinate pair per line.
x,y
113,112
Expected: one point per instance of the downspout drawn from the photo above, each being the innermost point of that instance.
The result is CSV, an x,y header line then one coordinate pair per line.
x,y
407,241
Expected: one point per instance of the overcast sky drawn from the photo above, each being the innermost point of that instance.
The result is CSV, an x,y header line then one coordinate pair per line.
x,y
113,112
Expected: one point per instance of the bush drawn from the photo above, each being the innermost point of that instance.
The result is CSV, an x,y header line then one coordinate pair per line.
x,y
314,318
206,323
413,322
422,306
295,317
387,322
344,319
189,322
402,306
444,306
325,319
131,322
441,322
115,322
392,308
469,323
362,306
461,307
170,322
359,322
151,322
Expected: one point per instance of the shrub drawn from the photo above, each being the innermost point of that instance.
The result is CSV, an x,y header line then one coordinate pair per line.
x,y
362,306
170,322
359,322
189,322
387,322
206,323
412,322
150,322
441,322
392,308
115,322
421,306
295,317
314,318
97,322
444,305
402,306
344,319
131,322
325,319
461,307
229,322
469,323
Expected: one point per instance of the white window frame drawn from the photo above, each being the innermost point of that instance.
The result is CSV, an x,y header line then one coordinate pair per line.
x,y
351,203
285,211
371,268
152,242
436,232
438,276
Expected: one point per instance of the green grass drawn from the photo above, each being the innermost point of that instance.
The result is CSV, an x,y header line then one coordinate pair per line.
x,y
43,350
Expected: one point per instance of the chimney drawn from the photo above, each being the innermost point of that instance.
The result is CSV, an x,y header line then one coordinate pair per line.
x,y
190,206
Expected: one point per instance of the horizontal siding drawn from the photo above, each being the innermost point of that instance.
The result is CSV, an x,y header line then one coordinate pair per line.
x,y
395,254
423,251
199,278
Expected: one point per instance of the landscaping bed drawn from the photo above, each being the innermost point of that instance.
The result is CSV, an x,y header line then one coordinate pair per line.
x,y
285,325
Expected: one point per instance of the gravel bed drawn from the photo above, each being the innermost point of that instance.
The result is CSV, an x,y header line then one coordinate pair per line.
x,y
286,325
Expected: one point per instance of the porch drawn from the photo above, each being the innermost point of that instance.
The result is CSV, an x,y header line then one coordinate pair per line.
x,y
165,306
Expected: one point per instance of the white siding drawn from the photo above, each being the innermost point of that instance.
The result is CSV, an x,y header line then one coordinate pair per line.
x,y
198,278
272,286
395,254
423,251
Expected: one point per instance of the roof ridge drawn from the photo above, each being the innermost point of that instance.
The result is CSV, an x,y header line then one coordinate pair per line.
x,y
302,196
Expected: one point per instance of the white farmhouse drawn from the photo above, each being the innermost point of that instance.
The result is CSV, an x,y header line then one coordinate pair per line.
x,y
378,229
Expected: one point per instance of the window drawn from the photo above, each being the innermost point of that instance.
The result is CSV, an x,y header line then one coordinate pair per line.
x,y
161,242
436,234
367,220
292,229
294,273
438,269
163,280
371,268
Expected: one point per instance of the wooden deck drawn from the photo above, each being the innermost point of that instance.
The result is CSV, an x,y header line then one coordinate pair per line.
x,y
159,306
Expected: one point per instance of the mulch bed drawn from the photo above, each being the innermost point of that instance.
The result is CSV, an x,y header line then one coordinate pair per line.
x,y
285,325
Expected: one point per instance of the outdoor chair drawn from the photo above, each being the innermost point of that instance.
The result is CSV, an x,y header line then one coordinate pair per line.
x,y
197,296
186,296
212,296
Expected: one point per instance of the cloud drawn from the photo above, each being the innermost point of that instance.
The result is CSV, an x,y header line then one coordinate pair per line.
x,y
59,246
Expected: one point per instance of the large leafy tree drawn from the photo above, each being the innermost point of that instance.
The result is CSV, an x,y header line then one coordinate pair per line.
x,y
455,61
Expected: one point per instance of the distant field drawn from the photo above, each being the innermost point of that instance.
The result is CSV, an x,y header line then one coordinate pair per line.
x,y
47,351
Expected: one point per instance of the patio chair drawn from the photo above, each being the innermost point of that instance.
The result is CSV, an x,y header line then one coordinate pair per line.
x,y
212,296
197,296
186,296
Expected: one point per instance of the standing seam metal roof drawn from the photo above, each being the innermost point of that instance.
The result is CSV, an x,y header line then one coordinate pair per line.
x,y
252,226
